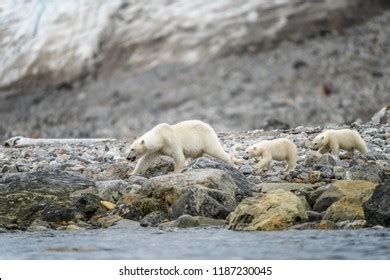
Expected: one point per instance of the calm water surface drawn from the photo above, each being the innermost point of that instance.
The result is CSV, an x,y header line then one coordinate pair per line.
x,y
208,243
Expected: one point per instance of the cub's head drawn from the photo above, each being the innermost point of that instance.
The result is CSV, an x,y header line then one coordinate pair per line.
x,y
137,150
252,151
319,141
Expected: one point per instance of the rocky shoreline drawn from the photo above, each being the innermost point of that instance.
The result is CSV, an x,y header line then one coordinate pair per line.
x,y
85,186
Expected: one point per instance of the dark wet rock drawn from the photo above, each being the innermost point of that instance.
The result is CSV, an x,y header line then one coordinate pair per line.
x,y
40,195
153,219
377,207
314,195
128,211
244,187
313,216
87,204
326,199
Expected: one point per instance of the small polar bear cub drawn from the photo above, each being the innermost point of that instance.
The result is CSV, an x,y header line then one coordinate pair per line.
x,y
187,139
334,140
278,149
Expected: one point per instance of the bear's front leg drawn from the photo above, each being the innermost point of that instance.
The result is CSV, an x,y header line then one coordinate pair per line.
x,y
324,149
335,148
144,163
265,163
179,159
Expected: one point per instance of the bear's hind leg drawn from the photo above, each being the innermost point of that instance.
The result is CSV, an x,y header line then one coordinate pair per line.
x,y
219,153
291,164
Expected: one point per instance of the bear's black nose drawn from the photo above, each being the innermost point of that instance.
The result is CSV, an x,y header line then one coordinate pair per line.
x,y
246,157
131,158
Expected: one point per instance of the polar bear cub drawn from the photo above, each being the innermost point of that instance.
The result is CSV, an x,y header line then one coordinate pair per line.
x,y
278,149
187,139
334,140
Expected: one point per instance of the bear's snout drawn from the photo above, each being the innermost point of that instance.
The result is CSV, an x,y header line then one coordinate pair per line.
x,y
246,157
131,158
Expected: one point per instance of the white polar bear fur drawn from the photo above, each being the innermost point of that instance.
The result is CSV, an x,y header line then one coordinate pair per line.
x,y
279,149
334,140
187,139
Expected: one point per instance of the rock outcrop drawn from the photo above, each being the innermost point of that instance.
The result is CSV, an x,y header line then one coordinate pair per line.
x,y
75,186
271,211
377,208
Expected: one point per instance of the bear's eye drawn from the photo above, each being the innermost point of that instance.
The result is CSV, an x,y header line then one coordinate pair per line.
x,y
142,142
132,150
254,148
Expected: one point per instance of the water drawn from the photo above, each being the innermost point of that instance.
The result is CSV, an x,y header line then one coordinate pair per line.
x,y
210,243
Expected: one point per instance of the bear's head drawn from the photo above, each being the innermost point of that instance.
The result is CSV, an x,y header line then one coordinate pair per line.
x,y
319,141
252,151
137,150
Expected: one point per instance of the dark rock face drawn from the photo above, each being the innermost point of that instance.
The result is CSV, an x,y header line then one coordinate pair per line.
x,y
39,195
199,192
203,202
244,187
87,204
326,199
377,207
153,219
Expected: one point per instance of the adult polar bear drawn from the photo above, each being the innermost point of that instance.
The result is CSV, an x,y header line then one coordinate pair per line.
x,y
190,139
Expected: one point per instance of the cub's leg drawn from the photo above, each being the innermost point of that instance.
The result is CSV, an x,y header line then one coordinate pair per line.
x,y
291,164
335,148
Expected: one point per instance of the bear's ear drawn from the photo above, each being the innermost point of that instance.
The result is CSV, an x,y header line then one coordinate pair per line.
x,y
142,142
